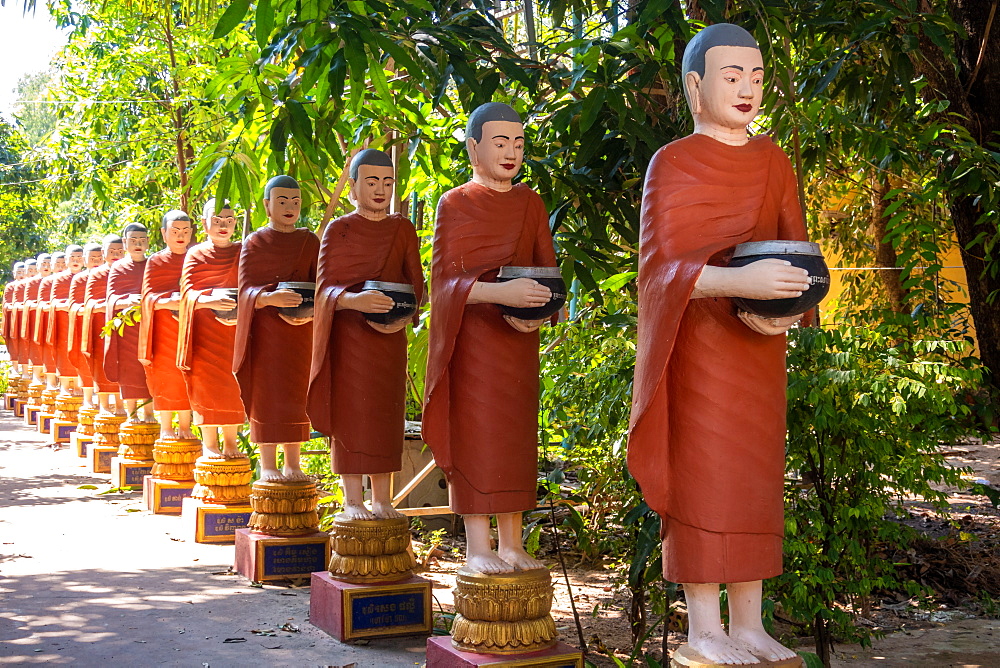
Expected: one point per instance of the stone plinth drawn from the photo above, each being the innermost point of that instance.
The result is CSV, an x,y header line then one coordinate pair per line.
x,y
106,426
214,522
262,558
175,458
85,421
368,551
222,481
284,508
442,654
349,611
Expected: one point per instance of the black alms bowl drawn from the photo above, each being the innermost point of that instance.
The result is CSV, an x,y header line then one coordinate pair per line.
x,y
803,254
308,292
230,314
550,277
401,293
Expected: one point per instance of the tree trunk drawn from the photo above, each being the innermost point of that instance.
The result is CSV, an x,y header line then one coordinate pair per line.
x,y
824,641
885,254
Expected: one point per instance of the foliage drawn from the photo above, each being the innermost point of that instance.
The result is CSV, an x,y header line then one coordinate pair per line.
x,y
867,411
21,220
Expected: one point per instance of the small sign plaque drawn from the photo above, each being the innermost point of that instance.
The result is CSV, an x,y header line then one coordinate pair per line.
x,y
386,610
293,559
224,523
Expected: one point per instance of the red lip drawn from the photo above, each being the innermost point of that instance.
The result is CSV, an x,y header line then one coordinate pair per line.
x,y
379,200
744,107
508,165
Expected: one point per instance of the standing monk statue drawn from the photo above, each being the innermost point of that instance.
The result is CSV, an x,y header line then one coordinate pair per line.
x,y
91,341
481,404
158,328
121,351
93,258
11,293
273,350
205,348
43,316
357,393
707,438
58,329
29,314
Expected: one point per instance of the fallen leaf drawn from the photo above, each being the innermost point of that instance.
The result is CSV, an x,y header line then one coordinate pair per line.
x,y
291,628
87,487
272,647
231,640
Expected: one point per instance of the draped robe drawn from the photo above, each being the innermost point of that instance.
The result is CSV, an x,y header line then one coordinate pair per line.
x,y
43,313
158,331
10,295
92,323
121,351
481,401
28,318
74,334
205,345
58,326
707,435
272,357
357,389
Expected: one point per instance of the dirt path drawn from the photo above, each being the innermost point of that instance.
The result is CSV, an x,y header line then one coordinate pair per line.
x,y
91,580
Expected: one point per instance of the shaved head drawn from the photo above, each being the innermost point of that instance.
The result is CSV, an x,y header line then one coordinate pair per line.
x,y
484,113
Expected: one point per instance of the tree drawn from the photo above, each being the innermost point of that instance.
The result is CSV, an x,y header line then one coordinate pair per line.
x,y
21,221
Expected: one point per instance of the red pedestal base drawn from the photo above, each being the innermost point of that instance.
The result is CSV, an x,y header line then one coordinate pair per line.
x,y
100,459
214,522
80,444
441,654
31,414
19,405
165,497
44,422
262,558
351,611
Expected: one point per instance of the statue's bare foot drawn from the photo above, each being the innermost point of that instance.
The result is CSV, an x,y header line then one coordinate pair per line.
x,y
237,454
211,454
355,511
187,434
271,475
519,559
720,648
294,475
489,562
760,644
385,511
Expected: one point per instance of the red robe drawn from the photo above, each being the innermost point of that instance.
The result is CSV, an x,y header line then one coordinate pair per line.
x,y
42,315
58,327
357,389
28,318
92,324
74,335
272,357
707,437
481,406
121,351
205,346
10,293
158,330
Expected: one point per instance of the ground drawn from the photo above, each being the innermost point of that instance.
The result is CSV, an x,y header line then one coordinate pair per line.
x,y
88,578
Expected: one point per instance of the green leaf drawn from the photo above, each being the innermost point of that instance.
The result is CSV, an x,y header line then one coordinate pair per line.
x,y
592,106
231,18
264,23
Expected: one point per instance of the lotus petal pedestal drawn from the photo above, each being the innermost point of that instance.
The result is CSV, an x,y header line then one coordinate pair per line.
x,y
172,476
368,551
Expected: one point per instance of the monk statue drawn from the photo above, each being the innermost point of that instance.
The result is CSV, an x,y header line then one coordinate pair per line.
x,y
11,294
707,437
205,345
357,393
93,257
121,351
91,339
273,350
30,312
43,316
481,404
57,332
159,327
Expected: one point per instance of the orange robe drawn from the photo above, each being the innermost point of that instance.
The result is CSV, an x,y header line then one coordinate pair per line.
x,y
74,334
357,389
28,318
92,323
481,406
158,331
43,313
10,295
272,357
205,346
58,326
707,436
121,351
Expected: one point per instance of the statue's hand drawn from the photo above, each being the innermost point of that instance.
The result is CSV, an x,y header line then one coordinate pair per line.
x,y
525,326
283,298
522,293
217,302
295,321
771,279
369,301
768,326
391,328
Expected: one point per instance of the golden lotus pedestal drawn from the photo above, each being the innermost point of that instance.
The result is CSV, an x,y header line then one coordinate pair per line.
x,y
105,445
82,439
220,501
685,657
170,478
67,407
282,540
34,403
370,590
48,413
133,461
16,389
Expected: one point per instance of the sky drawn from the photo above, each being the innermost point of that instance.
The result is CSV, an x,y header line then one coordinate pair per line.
x,y
27,43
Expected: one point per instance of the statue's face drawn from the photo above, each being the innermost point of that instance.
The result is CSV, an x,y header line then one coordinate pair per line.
x,y
19,273
95,258
500,154
45,267
113,252
221,225
75,260
731,90
177,234
136,243
59,264
373,189
284,205
31,270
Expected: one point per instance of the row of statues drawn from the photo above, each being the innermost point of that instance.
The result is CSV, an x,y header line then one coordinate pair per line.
x,y
707,433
